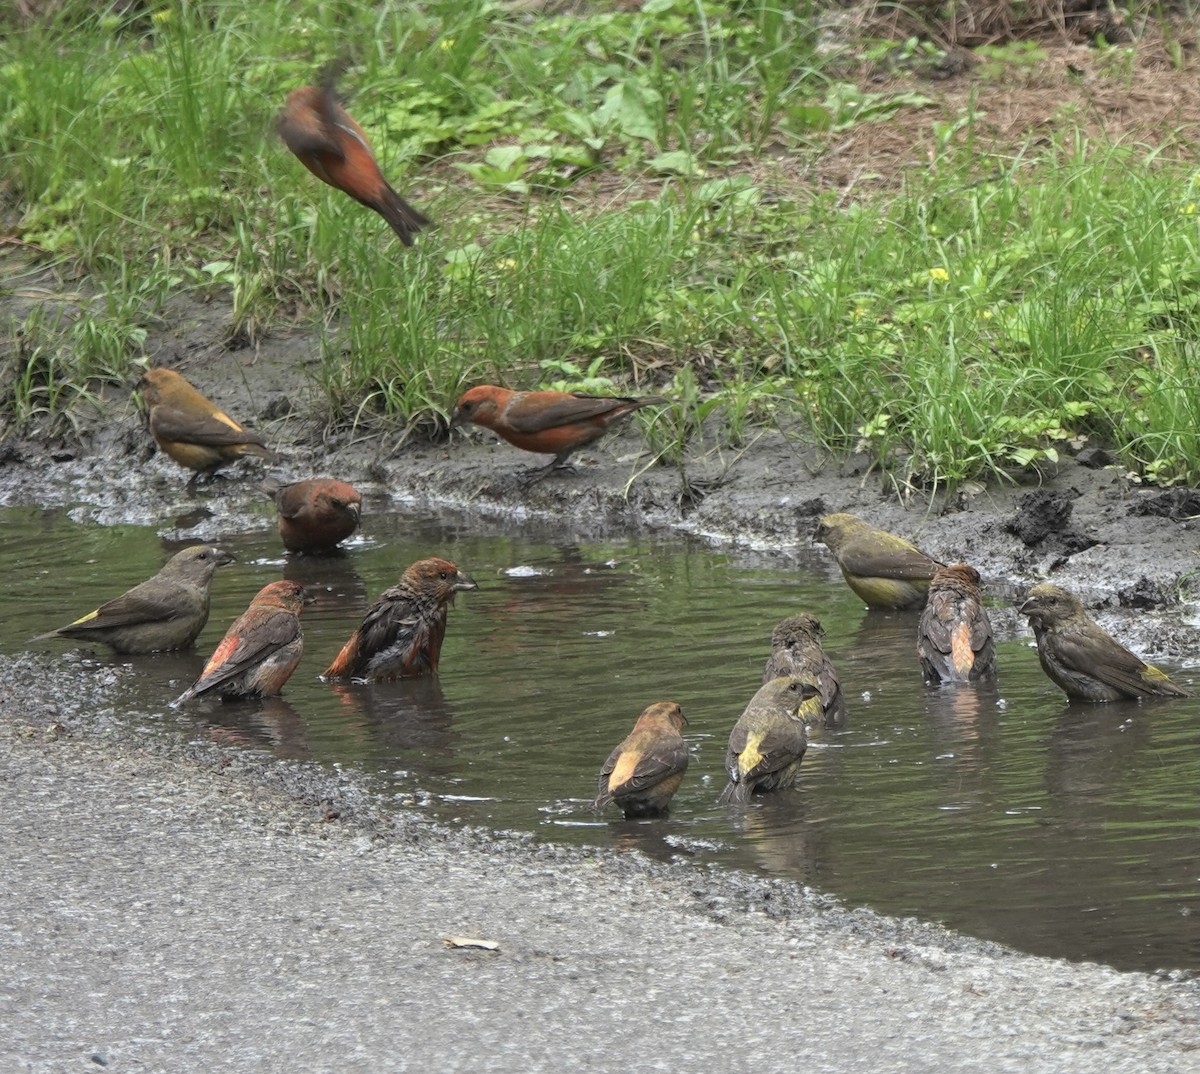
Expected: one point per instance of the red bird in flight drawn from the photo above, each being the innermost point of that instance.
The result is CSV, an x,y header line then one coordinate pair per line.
x,y
323,135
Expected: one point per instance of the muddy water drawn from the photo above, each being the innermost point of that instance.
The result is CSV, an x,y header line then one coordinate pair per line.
x,y
1063,830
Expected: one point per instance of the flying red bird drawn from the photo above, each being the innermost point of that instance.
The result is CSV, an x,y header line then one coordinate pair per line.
x,y
327,141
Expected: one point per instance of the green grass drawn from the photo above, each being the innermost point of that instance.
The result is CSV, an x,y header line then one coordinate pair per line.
x,y
620,205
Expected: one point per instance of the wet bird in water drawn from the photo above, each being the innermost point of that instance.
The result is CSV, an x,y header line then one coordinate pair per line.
x,y
317,515
884,570
549,423
954,637
796,653
331,145
162,613
401,635
768,742
259,651
645,770
1082,657
193,430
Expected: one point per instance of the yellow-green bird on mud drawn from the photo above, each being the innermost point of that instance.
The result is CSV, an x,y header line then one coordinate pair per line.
x,y
768,742
796,653
886,571
1085,660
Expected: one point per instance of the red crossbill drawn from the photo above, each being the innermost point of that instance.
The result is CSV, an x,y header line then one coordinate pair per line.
x,y
401,635
162,613
327,141
1082,657
315,515
796,653
884,570
768,742
645,770
954,636
259,651
549,423
191,429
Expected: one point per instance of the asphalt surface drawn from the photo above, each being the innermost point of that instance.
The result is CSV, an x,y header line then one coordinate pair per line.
x,y
174,909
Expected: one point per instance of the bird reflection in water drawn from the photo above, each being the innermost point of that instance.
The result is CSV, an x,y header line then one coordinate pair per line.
x,y
407,721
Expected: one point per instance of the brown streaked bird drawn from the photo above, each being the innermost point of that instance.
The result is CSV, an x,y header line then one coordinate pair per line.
x,y
193,430
402,633
1085,660
884,570
331,145
316,515
547,423
768,742
796,653
259,651
645,770
165,612
954,636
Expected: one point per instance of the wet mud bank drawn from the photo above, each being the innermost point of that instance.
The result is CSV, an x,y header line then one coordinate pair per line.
x,y
181,903
1127,549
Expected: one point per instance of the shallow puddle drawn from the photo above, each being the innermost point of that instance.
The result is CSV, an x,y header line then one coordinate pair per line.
x,y
1062,830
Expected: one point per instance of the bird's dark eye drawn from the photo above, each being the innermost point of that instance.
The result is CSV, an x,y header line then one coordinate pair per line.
x,y
443,575
203,555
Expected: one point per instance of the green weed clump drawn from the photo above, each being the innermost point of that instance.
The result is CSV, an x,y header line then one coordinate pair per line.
x,y
621,204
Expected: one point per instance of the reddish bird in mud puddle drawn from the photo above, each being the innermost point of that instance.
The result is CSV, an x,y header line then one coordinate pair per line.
x,y
327,141
645,770
260,651
402,633
550,423
193,430
315,515
954,637
165,612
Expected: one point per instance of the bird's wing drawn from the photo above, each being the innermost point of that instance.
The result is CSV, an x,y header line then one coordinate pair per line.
x,y
901,561
212,430
1105,658
393,623
771,750
647,769
126,610
532,415
239,652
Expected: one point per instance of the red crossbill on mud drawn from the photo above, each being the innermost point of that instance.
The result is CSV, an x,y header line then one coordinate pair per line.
x,y
796,653
327,141
768,742
1082,657
193,430
316,515
402,633
954,636
645,770
162,613
259,651
548,423
884,570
